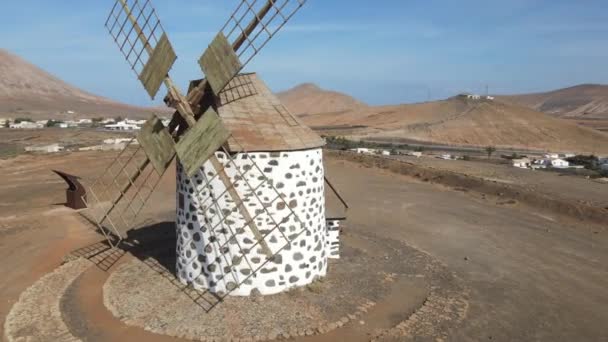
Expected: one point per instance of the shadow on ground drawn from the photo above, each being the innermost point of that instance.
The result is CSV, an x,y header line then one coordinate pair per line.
x,y
154,245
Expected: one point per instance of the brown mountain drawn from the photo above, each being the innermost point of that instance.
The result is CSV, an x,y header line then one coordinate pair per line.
x,y
308,98
587,101
28,91
461,121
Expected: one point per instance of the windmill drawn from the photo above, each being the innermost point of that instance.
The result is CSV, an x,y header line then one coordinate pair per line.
x,y
250,179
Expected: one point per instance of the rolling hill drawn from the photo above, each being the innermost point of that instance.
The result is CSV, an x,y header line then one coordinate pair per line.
x,y
308,98
586,101
28,91
459,121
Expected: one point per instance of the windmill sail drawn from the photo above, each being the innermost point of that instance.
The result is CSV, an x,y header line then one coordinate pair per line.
x,y
117,198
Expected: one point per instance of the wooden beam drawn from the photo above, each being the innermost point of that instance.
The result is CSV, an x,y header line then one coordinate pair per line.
x,y
123,191
240,205
195,96
253,24
183,107
336,193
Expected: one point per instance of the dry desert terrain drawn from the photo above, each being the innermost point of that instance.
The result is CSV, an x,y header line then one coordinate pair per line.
x,y
443,262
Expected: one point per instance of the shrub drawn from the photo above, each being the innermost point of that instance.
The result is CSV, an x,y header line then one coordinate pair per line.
x,y
589,162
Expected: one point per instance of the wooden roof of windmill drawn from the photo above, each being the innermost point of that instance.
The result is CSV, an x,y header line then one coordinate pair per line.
x,y
258,121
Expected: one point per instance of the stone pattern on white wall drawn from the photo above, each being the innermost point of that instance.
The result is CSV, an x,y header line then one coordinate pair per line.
x,y
284,193
333,239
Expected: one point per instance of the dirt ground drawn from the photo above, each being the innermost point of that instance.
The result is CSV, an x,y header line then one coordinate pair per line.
x,y
532,277
524,274
570,197
567,187
14,141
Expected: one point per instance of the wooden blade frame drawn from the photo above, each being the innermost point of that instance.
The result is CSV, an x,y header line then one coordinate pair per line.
x,y
138,32
254,23
249,28
117,197
143,42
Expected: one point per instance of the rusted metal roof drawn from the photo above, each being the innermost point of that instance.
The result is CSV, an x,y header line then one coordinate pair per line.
x,y
258,121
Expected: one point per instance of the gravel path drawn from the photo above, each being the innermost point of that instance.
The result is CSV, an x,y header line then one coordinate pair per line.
x,y
141,296
37,316
144,294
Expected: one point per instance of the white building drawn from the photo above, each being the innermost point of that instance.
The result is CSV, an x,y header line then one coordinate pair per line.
x,y
85,121
540,163
120,141
122,126
523,163
63,125
53,148
559,163
71,123
446,156
26,125
383,152
3,122
552,155
489,97
135,122
362,150
104,147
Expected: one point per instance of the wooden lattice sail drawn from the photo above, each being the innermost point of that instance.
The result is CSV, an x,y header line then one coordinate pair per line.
x,y
250,180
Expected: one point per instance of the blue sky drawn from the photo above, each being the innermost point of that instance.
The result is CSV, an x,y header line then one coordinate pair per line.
x,y
382,52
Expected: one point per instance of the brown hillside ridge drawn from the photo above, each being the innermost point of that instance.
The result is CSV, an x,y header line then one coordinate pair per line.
x,y
28,91
461,121
586,101
308,98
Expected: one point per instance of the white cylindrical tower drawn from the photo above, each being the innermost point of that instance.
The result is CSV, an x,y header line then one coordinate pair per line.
x,y
283,193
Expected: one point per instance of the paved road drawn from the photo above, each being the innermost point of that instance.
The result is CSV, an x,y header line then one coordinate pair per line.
x,y
531,278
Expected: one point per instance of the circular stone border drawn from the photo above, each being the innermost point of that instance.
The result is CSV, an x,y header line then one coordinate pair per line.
x,y
445,306
37,313
173,315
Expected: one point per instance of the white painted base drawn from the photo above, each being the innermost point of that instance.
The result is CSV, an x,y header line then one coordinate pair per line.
x,y
333,239
217,250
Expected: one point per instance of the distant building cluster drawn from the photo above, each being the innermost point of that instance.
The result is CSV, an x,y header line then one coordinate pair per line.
x,y
476,97
362,150
125,125
113,144
102,123
550,160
